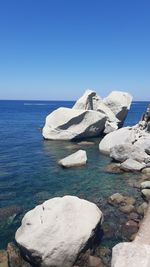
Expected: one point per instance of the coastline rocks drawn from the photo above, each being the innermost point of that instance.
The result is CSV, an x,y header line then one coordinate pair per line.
x,y
56,232
132,165
71,124
119,103
76,159
131,254
89,117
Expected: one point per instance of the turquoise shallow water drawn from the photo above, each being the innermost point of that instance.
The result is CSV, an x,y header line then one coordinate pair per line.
x,y
29,173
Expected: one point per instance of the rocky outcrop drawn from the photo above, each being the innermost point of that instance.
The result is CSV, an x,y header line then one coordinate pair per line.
x,y
56,232
76,159
129,146
71,124
89,117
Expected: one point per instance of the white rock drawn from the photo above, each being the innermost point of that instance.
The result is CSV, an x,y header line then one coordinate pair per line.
x,y
54,233
119,103
131,254
76,159
121,152
121,136
125,151
145,185
68,124
110,127
89,101
132,165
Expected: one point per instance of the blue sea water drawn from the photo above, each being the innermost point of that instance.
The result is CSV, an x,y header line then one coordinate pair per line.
x,y
29,173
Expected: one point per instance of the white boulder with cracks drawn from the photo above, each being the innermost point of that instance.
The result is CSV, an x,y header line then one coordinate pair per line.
x,y
71,124
54,233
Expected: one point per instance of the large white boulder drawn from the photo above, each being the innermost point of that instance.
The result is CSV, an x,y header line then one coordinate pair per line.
x,y
119,137
76,159
89,101
69,124
132,254
54,233
119,102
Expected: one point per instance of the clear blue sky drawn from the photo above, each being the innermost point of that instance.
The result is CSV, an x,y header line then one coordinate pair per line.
x,y
54,49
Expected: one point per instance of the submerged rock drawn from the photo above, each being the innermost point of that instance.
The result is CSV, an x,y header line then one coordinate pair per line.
x,y
76,159
3,258
7,212
56,232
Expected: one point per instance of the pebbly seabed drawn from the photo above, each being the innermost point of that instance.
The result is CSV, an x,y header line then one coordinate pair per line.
x,y
25,183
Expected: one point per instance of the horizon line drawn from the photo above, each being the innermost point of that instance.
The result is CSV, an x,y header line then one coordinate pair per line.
x,y
44,100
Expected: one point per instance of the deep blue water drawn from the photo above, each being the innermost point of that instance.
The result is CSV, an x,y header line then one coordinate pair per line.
x,y
29,172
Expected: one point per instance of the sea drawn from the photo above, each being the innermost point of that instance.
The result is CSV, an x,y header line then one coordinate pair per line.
x,y
30,174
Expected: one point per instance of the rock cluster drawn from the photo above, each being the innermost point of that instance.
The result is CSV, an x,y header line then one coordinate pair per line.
x,y
89,117
130,146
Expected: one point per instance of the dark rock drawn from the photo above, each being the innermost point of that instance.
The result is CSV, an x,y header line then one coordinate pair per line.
x,y
134,217
130,228
127,208
3,258
113,168
15,259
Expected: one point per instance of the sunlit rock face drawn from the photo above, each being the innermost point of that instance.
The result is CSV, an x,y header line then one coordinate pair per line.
x,y
89,117
54,233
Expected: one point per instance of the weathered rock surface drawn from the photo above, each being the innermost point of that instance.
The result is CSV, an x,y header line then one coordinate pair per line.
x,y
89,101
132,165
69,124
119,103
76,159
131,255
89,117
54,233
126,151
